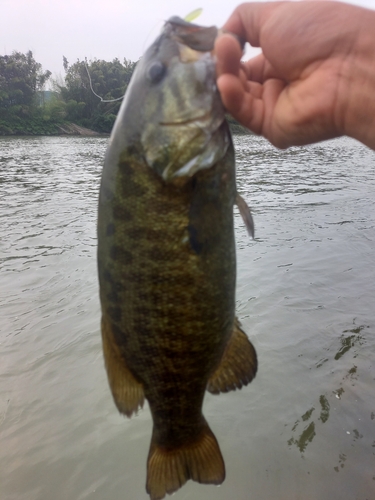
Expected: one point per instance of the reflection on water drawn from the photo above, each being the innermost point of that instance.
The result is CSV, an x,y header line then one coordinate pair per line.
x,y
304,429
347,342
350,341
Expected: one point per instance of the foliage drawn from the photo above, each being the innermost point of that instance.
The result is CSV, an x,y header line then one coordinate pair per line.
x,y
21,84
109,80
34,125
26,109
21,77
38,120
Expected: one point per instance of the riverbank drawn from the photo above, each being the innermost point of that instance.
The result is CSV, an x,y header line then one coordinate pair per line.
x,y
39,127
73,129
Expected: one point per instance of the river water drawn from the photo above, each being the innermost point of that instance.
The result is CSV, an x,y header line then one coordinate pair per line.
x,y
304,429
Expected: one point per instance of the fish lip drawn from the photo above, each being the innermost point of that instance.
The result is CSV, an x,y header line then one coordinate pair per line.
x,y
195,119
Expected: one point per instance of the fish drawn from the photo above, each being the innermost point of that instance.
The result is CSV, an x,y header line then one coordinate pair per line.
x,y
166,256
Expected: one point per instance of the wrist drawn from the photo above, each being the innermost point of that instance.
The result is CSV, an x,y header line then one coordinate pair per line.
x,y
358,98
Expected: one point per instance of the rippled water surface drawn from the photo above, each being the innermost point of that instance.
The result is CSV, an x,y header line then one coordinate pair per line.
x,y
304,429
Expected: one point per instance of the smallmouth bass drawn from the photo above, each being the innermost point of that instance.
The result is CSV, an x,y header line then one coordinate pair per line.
x,y
166,256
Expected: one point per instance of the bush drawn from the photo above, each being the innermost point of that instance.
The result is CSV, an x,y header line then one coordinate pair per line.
x,y
104,123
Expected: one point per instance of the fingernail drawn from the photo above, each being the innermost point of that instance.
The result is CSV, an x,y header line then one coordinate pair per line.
x,y
239,39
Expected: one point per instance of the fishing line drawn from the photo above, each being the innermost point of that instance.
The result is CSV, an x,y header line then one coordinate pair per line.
x,y
152,30
190,17
93,91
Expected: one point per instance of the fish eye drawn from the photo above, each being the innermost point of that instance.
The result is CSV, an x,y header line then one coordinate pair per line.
x,y
156,72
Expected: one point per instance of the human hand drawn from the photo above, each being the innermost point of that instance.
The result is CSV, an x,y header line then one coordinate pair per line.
x,y
315,78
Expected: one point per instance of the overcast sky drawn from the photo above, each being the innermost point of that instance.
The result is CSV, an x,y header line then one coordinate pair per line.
x,y
101,29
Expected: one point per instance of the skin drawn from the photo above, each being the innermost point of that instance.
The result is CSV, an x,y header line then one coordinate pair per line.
x,y
315,78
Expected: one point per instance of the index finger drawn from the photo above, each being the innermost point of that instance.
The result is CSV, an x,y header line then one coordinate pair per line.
x,y
248,19
228,53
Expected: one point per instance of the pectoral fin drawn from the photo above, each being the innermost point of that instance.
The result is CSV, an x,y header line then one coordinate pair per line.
x,y
238,365
127,392
246,215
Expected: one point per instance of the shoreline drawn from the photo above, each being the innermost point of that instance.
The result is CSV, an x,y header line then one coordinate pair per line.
x,y
77,130
72,129
60,130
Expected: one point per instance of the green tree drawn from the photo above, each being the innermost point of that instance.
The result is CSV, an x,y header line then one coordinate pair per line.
x,y
21,81
85,81
21,77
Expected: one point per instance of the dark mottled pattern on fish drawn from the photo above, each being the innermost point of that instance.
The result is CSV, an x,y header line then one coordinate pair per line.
x,y
122,214
161,240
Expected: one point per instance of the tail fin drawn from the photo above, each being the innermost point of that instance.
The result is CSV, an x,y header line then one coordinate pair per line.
x,y
169,469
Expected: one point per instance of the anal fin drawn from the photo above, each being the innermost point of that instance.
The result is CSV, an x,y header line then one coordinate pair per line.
x,y
169,469
127,392
237,367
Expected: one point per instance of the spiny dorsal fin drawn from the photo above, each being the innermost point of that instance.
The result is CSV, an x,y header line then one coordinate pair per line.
x,y
237,367
246,215
127,392
169,469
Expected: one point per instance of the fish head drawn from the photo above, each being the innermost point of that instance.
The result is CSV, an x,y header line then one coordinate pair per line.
x,y
177,110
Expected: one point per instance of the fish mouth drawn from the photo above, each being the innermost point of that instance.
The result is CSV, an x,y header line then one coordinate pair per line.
x,y
195,119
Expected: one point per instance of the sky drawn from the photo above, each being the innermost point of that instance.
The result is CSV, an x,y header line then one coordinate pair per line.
x,y
101,29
